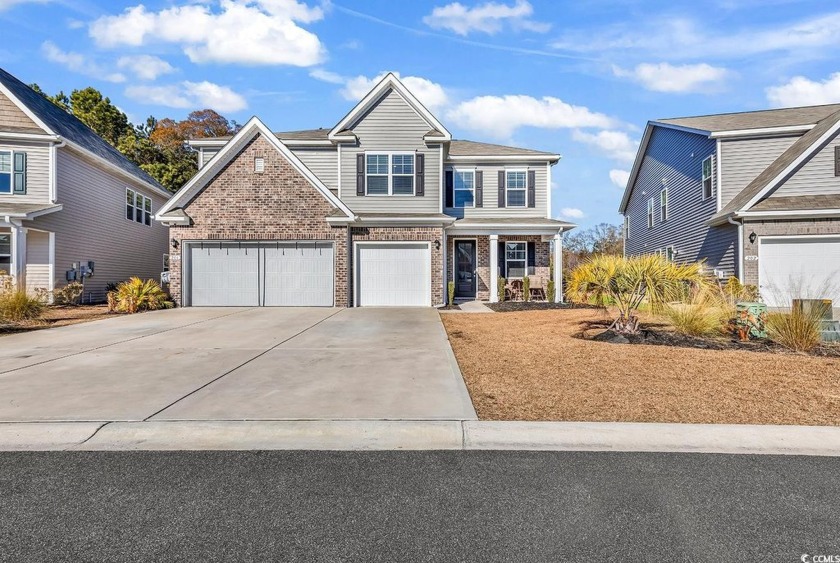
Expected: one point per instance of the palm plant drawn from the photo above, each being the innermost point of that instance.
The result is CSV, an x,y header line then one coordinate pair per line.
x,y
140,295
628,282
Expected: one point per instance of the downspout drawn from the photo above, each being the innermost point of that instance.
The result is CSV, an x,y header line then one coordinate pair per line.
x,y
740,253
54,169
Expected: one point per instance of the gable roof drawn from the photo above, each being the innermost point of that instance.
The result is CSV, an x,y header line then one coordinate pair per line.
x,y
57,122
460,148
781,168
251,129
388,82
763,119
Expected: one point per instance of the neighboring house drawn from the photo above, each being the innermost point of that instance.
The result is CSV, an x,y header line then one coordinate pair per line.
x,y
756,195
381,209
67,196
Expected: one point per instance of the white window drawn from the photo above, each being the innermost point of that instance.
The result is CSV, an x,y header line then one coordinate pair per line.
x,y
138,207
464,188
516,259
5,172
389,174
626,227
663,204
669,253
516,184
259,165
165,262
6,253
707,178
650,213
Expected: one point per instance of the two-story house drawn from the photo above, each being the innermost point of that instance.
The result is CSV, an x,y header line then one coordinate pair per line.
x,y
68,197
755,195
382,209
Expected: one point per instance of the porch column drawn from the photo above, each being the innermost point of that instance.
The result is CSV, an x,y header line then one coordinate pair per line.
x,y
18,255
558,267
494,268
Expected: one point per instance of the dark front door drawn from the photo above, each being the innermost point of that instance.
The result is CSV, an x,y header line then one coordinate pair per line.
x,y
465,279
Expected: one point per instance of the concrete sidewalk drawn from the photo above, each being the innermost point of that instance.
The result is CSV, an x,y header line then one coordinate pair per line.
x,y
421,435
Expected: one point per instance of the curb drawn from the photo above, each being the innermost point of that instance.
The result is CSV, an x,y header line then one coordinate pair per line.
x,y
369,435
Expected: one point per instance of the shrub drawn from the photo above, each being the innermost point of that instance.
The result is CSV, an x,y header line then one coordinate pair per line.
x,y
701,313
69,294
628,282
139,295
550,291
450,288
737,292
501,288
798,330
16,306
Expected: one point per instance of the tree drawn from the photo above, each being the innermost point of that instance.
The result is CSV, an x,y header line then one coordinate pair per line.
x,y
628,282
600,239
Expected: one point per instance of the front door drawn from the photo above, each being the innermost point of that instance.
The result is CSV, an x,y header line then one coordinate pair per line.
x,y
465,278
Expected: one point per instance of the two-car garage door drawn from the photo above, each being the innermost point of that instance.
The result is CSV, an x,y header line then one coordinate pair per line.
x,y
805,267
249,274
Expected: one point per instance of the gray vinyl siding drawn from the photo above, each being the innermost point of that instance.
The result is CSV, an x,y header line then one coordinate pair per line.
x,y
676,157
391,125
37,172
37,260
816,177
206,153
744,159
323,162
92,226
491,190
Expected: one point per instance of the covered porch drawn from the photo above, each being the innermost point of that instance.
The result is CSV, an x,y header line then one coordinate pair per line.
x,y
27,253
481,254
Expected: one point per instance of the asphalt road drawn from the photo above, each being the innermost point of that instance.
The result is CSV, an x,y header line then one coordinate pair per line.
x,y
416,506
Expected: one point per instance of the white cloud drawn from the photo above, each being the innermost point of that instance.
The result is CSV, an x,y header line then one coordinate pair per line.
x,y
801,91
78,62
615,144
192,95
431,94
489,18
572,213
7,4
500,116
619,178
145,67
327,76
664,77
261,32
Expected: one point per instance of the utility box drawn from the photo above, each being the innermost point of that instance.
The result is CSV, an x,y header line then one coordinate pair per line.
x,y
750,318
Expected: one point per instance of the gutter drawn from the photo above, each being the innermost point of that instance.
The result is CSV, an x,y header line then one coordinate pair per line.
x,y
740,257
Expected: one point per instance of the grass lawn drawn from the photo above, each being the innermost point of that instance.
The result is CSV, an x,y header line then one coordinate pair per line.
x,y
58,316
528,366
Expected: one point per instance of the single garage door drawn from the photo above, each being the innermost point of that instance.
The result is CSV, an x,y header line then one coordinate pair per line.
x,y
393,274
271,274
799,268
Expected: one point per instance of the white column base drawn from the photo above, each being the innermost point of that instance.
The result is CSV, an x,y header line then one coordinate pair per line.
x,y
494,268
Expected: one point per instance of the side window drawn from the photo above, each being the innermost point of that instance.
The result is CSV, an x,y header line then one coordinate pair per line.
x,y
5,172
663,204
707,178
650,213
626,227
138,208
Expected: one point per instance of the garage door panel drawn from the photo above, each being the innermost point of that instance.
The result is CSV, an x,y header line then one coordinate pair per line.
x,y
799,268
299,275
393,274
224,275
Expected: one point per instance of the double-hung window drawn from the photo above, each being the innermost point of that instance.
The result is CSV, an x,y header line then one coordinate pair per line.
x,y
626,227
5,172
138,207
5,253
650,213
663,204
389,174
707,178
516,184
12,172
516,259
464,188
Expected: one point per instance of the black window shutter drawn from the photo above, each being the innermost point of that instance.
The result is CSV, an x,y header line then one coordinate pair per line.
x,y
532,258
532,188
450,186
360,174
501,188
19,173
479,188
502,269
837,161
419,174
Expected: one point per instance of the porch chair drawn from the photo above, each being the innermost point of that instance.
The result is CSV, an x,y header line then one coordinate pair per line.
x,y
514,290
538,288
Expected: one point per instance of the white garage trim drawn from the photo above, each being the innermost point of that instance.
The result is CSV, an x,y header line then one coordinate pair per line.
x,y
357,265
776,300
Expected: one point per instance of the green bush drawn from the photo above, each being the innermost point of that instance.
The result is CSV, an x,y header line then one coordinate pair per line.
x,y
501,288
16,306
137,295
450,288
550,291
69,294
798,330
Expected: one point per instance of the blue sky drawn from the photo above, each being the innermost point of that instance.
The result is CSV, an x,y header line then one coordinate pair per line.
x,y
576,78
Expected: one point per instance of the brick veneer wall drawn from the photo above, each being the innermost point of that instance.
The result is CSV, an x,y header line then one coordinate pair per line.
x,y
409,234
541,262
765,228
278,204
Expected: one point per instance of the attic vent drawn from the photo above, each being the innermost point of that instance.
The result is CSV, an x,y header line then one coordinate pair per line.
x,y
259,165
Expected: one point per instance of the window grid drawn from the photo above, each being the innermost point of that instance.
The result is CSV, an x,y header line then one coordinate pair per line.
x,y
516,259
5,172
138,208
464,188
389,174
650,213
6,253
663,205
707,178
515,188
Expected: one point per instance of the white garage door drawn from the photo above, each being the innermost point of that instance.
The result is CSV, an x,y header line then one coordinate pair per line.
x,y
271,274
393,275
799,268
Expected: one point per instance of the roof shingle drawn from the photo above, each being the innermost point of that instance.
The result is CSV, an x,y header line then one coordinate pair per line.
x,y
786,117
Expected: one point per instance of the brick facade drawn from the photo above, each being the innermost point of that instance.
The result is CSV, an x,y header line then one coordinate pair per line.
x,y
541,263
792,227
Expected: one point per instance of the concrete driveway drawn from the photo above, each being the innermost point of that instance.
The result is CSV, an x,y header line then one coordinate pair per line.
x,y
236,364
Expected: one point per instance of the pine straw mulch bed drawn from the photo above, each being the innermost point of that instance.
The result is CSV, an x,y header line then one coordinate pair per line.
x,y
532,366
56,316
512,306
